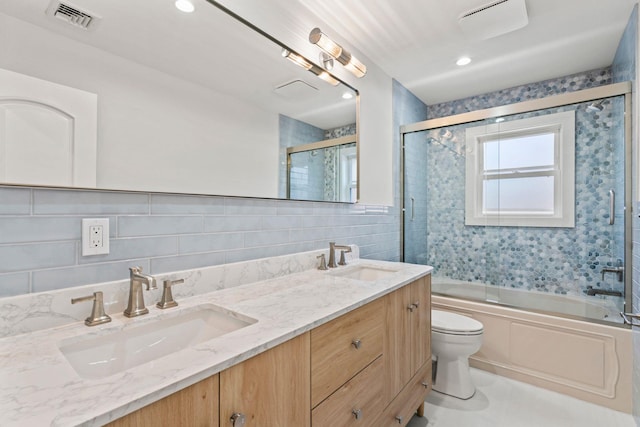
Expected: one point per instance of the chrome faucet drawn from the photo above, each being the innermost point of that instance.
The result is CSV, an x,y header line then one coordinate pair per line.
x,y
136,300
332,254
619,270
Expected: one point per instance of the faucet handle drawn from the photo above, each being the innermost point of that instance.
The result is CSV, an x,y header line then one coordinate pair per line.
x,y
167,300
98,316
323,262
342,261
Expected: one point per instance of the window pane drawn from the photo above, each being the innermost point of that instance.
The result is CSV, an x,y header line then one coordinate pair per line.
x,y
533,194
519,152
353,169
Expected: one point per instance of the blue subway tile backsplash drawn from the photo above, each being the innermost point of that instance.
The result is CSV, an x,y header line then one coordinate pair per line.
x,y
40,232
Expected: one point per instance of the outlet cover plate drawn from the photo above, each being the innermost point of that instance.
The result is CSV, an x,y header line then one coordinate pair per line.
x,y
93,225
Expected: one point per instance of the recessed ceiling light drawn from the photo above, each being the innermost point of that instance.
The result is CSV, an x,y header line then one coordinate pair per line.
x,y
465,60
347,95
185,6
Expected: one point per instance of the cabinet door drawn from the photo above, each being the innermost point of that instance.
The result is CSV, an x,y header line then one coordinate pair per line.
x,y
196,406
420,323
271,389
412,396
407,340
397,339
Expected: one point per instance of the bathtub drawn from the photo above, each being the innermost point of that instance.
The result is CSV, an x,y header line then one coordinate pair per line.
x,y
589,360
598,308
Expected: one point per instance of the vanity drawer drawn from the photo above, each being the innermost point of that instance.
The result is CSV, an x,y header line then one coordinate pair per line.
x,y
343,347
359,402
412,396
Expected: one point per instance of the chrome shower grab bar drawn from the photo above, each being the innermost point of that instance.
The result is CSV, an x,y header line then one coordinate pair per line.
x,y
612,207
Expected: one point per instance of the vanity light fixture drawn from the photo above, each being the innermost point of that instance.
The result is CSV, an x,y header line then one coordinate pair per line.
x,y
185,6
350,62
323,75
465,60
326,61
296,59
304,63
347,95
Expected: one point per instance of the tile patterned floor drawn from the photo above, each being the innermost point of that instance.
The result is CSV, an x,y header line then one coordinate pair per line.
x,y
501,402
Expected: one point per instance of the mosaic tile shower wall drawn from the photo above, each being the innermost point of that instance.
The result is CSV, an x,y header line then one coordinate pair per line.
x,y
527,92
559,260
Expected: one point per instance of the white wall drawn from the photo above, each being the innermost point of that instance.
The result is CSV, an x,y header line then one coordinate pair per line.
x,y
152,127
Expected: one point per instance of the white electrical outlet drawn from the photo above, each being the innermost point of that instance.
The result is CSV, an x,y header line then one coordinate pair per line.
x,y
95,236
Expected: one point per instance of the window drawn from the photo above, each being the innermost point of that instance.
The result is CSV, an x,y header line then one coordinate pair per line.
x,y
521,173
348,174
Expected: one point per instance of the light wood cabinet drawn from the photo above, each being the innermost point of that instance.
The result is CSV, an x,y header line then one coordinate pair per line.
x,y
271,389
195,406
407,339
421,323
357,403
343,347
410,399
369,367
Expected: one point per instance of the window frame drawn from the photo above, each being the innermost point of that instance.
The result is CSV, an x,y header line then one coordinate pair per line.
x,y
348,188
562,125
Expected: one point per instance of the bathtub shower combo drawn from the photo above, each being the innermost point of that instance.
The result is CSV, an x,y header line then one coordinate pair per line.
x,y
515,203
520,209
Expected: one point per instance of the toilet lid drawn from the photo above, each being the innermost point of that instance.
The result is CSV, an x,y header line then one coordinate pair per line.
x,y
451,323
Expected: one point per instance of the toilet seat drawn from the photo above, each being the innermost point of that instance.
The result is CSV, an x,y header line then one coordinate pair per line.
x,y
445,322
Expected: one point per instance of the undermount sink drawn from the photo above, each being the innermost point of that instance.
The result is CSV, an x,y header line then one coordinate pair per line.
x,y
108,354
364,272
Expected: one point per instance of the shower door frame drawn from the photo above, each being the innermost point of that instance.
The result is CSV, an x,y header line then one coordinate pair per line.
x,y
585,95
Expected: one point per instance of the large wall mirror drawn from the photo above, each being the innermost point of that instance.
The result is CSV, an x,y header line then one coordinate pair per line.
x,y
126,95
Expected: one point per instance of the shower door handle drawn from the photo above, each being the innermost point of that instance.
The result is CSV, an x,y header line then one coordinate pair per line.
x,y
612,207
413,208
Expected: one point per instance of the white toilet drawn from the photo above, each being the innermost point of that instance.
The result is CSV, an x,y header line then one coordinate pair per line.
x,y
453,339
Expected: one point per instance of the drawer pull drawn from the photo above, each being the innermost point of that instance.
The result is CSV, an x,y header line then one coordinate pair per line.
x,y
399,419
237,419
356,343
357,413
425,384
411,307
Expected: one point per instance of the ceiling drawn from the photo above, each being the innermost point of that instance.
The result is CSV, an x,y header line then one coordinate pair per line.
x,y
417,42
414,41
208,48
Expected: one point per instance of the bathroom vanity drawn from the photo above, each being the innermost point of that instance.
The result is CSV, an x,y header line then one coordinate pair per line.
x,y
319,348
371,365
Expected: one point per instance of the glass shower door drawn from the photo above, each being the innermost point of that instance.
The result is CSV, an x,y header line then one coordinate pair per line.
x,y
575,269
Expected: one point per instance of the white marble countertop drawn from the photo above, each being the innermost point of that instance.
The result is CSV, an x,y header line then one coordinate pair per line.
x,y
38,386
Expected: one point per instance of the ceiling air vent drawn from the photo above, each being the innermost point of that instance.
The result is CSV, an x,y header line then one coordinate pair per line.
x,y
494,19
71,14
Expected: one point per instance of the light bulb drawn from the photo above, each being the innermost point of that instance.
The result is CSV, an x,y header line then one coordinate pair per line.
x,y
185,6
465,60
